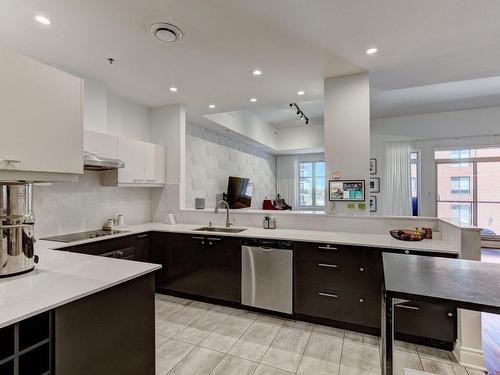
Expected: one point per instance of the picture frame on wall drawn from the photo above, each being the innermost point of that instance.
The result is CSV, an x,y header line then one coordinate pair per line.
x,y
373,166
375,185
373,203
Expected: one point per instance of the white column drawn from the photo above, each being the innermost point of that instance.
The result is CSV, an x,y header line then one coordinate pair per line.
x,y
347,129
168,127
469,345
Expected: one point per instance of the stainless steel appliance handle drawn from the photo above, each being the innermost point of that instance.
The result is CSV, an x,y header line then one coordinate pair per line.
x,y
328,295
328,265
407,307
327,248
265,248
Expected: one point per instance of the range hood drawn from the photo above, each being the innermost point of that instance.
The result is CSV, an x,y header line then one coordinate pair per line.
x,y
93,162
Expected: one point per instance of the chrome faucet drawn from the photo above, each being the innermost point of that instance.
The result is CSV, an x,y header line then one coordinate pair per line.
x,y
228,221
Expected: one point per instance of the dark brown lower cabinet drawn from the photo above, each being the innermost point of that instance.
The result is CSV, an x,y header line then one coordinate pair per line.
x,y
109,332
205,266
343,284
329,304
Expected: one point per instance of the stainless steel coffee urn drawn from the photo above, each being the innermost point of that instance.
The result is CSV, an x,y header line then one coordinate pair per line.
x,y
17,227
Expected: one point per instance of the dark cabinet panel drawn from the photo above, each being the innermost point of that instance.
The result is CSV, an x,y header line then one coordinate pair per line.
x,y
343,276
142,242
207,266
104,246
328,304
329,252
222,263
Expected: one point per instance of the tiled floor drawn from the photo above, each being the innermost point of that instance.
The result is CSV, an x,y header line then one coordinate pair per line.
x,y
195,338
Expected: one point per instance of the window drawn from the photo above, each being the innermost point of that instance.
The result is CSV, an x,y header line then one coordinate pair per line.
x,y
460,185
414,166
461,212
312,184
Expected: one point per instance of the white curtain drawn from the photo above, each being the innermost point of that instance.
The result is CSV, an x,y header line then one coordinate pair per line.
x,y
286,178
397,197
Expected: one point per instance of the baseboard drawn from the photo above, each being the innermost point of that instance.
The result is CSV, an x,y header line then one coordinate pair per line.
x,y
469,357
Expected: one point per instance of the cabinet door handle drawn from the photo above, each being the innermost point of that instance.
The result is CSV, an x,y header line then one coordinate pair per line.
x,y
327,248
138,180
329,295
407,307
328,265
198,238
142,236
213,239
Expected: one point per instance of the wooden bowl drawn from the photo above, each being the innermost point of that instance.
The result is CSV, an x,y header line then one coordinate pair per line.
x,y
407,235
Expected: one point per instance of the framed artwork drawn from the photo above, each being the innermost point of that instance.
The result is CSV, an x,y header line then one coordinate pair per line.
x,y
346,190
373,203
373,166
375,185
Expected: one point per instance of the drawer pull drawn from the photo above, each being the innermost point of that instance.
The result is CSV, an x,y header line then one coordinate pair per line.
x,y
142,236
198,238
327,265
328,295
407,307
213,239
327,248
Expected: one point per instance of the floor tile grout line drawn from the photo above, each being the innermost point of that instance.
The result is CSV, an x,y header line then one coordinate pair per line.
x,y
174,366
227,317
240,336
274,338
341,352
305,348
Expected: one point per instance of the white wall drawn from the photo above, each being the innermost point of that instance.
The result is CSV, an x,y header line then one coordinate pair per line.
x,y
247,124
128,119
211,158
431,131
347,128
300,139
66,207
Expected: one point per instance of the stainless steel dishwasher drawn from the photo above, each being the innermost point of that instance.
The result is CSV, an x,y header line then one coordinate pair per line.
x,y
266,274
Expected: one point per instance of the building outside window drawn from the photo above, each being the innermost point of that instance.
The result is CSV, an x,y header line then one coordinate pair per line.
x,y
312,184
414,172
460,185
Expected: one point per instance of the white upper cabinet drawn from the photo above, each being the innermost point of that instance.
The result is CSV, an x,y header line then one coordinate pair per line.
x,y
132,153
145,164
105,145
155,163
41,117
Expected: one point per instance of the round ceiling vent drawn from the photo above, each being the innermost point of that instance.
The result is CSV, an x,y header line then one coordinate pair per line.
x,y
166,32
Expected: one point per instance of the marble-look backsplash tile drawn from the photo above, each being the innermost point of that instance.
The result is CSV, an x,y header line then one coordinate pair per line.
x,y
211,158
66,207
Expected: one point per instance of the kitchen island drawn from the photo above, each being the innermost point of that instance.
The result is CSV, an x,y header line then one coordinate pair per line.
x,y
90,308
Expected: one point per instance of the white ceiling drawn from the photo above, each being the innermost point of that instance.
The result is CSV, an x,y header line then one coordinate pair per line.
x,y
280,115
295,43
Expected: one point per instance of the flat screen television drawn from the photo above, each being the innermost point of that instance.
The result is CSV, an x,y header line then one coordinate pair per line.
x,y
346,190
239,192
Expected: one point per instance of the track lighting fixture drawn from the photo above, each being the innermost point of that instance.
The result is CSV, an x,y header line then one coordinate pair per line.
x,y
301,114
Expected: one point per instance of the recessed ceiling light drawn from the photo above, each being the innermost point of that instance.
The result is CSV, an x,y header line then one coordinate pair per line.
x,y
166,32
371,51
211,106
253,100
42,19
173,89
300,92
257,72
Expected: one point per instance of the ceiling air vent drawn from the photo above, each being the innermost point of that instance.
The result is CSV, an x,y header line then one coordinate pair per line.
x,y
166,32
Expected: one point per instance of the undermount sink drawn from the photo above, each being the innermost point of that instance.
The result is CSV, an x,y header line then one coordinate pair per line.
x,y
221,229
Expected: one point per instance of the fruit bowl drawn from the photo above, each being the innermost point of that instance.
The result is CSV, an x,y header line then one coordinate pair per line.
x,y
407,235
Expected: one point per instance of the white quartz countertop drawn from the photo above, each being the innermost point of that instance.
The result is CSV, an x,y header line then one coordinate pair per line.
x,y
61,277
345,238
